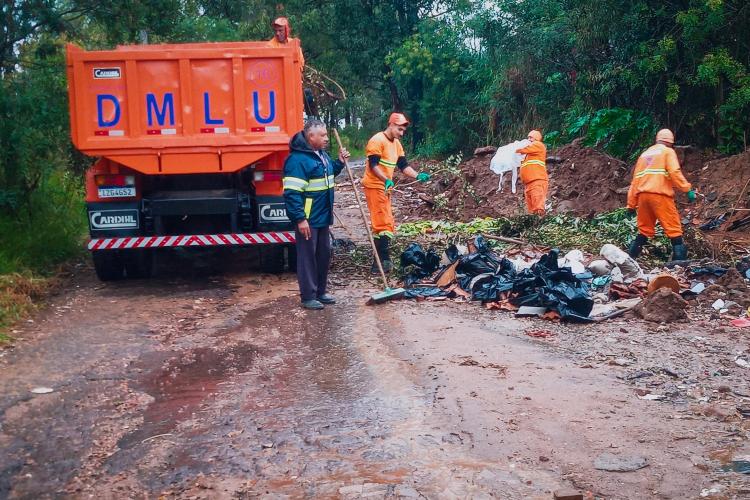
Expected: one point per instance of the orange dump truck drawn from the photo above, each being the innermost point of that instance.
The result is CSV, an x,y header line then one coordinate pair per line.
x,y
191,140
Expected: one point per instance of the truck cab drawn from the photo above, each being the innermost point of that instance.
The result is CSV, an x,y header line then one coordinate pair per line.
x,y
190,141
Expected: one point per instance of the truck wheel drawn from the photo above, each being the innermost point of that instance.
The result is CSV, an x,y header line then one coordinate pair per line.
x,y
138,264
291,258
272,258
108,265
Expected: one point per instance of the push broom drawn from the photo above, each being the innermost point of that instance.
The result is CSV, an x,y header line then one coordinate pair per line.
x,y
389,293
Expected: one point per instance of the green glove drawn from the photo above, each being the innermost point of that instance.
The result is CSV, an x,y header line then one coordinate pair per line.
x,y
388,185
691,195
423,177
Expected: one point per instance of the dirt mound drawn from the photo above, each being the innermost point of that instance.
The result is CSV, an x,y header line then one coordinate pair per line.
x,y
583,181
663,306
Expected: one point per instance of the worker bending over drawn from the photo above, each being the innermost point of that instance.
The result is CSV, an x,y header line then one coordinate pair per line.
x,y
651,192
384,154
534,173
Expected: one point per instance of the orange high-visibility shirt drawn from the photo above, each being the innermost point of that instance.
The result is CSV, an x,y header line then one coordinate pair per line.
x,y
534,166
274,42
657,171
389,151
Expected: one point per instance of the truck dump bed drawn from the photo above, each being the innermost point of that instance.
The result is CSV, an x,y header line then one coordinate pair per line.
x,y
189,108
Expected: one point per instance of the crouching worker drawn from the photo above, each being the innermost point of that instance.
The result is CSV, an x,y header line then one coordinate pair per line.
x,y
651,192
534,173
308,195
384,154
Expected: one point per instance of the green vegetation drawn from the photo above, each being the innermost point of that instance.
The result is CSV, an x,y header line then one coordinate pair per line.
x,y
560,231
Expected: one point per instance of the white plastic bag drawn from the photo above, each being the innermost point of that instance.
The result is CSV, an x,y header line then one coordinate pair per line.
x,y
507,160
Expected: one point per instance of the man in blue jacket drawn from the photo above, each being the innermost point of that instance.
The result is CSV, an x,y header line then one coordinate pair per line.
x,y
308,193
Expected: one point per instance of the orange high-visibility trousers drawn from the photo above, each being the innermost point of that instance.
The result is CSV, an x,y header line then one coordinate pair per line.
x,y
653,207
535,193
381,214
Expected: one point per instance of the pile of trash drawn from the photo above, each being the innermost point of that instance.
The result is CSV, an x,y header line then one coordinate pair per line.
x,y
478,273
575,287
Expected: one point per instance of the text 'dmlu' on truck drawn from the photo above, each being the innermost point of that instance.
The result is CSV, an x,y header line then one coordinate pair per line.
x,y
191,140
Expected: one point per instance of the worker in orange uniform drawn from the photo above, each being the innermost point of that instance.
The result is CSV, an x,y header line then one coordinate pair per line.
x,y
534,173
384,154
651,192
281,38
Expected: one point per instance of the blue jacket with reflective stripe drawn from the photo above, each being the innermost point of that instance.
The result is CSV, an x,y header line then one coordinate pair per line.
x,y
308,183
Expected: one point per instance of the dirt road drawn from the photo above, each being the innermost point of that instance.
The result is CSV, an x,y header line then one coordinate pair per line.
x,y
220,386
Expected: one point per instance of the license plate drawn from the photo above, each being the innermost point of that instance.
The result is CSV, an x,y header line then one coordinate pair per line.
x,y
123,192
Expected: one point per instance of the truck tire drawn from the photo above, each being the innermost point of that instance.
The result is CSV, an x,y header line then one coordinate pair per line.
x,y
138,264
272,258
291,258
108,265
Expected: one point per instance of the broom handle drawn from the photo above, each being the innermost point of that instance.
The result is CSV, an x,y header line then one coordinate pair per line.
x,y
362,211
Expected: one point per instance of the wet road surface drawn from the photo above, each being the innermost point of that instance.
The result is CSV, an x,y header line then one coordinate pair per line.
x,y
222,387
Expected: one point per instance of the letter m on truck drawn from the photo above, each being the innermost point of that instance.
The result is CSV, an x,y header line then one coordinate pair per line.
x,y
191,140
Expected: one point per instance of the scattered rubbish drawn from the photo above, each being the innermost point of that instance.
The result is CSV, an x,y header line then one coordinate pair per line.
x,y
707,269
600,267
489,277
573,260
567,494
621,362
636,289
614,463
663,306
540,334
744,411
652,397
741,322
740,361
601,281
664,281
696,289
526,311
425,292
42,390
713,223
718,305
419,263
738,464
628,266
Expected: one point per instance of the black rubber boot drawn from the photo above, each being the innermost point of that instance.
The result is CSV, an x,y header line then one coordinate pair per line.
x,y
636,246
381,244
679,250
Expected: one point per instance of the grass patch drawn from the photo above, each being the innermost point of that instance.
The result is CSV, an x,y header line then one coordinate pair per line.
x,y
45,231
561,231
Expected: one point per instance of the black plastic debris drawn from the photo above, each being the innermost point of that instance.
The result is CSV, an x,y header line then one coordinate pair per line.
x,y
425,291
418,263
713,223
487,277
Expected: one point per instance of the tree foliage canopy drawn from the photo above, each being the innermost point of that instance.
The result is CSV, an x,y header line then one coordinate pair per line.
x,y
468,72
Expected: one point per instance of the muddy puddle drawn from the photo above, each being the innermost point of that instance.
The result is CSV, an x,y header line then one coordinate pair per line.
x,y
182,383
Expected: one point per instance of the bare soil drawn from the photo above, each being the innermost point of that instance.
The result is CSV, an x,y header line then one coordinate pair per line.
x,y
219,386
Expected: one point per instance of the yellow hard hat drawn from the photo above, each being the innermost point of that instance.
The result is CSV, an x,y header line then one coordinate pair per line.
x,y
665,135
536,135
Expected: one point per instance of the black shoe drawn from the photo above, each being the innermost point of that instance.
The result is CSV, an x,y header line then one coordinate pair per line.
x,y
312,304
679,252
326,298
636,246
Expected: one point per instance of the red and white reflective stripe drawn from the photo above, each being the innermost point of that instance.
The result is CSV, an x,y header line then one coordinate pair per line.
x,y
191,240
111,133
161,131
266,129
215,130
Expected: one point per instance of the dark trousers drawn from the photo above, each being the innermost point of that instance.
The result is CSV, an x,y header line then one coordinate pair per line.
x,y
313,259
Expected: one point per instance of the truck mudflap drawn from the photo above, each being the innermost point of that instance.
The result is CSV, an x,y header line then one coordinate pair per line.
x,y
192,240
